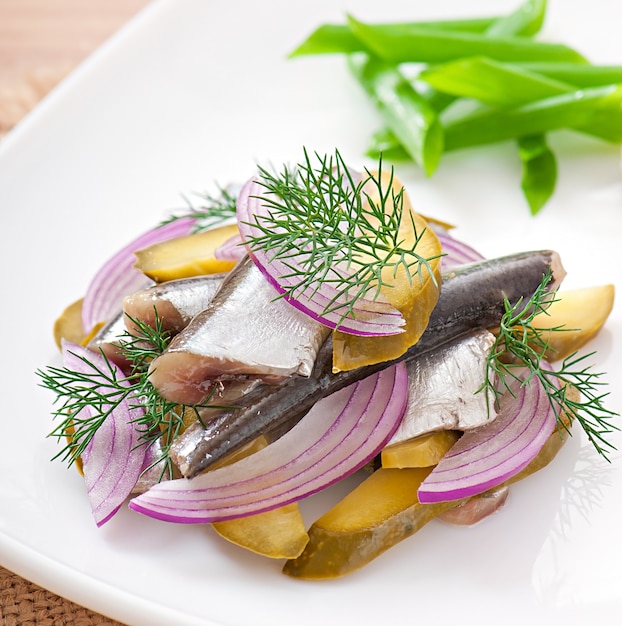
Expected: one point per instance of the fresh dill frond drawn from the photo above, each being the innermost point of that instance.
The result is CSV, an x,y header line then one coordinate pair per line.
x,y
340,228
520,344
162,420
88,398
211,211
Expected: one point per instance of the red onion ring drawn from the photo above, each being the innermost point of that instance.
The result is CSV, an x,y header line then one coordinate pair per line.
x,y
337,437
322,302
114,458
231,250
456,252
118,278
485,457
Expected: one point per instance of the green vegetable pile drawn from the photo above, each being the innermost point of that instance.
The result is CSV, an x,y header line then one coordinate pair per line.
x,y
453,84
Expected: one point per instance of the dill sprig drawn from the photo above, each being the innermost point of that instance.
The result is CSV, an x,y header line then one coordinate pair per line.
x,y
326,226
88,398
520,344
212,211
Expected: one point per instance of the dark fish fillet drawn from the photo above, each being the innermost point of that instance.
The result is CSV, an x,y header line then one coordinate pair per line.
x,y
471,297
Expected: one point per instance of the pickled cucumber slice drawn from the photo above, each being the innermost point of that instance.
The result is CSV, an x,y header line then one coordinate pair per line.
x,y
186,256
277,534
422,451
581,313
414,296
378,514
69,325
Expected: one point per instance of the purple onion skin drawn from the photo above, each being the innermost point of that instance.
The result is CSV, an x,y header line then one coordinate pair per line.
x,y
471,297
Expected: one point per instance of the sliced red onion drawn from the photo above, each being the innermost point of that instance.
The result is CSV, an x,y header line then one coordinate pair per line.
x,y
337,437
231,250
485,457
456,252
324,303
114,458
118,278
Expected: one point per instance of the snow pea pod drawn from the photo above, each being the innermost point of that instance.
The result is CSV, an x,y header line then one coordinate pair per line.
x,y
539,171
339,38
408,111
491,82
425,45
596,111
525,21
599,115
402,108
383,142
577,74
411,114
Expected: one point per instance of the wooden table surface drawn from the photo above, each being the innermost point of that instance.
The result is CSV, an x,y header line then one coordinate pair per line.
x,y
41,41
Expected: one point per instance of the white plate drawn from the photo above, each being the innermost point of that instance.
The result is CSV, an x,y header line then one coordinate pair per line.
x,y
195,93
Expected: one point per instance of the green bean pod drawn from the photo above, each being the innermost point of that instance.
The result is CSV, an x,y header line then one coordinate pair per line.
x,y
539,171
596,111
402,108
426,45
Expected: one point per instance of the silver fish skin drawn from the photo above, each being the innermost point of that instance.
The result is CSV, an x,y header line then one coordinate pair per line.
x,y
471,297
246,330
106,340
154,470
443,388
175,302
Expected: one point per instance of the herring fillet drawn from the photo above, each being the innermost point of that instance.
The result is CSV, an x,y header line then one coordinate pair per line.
x,y
443,386
471,297
106,341
175,302
246,330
